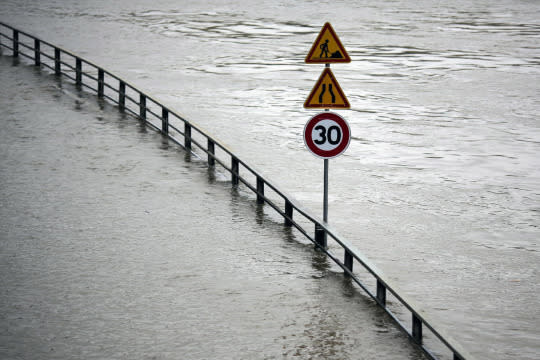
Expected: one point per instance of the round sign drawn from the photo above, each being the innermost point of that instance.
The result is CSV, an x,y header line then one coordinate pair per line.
x,y
327,135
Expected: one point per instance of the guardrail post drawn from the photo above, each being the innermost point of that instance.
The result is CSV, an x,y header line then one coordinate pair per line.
x,y
122,95
187,135
381,293
142,106
260,190
164,121
288,213
57,68
78,72
211,153
348,261
15,43
101,82
320,236
235,169
416,329
37,53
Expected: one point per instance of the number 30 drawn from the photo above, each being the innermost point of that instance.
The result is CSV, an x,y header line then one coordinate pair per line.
x,y
332,135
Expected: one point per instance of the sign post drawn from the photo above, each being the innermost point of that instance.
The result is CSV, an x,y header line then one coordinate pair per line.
x,y
325,192
327,134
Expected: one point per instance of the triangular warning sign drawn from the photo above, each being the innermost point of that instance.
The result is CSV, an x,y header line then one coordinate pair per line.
x,y
327,93
327,48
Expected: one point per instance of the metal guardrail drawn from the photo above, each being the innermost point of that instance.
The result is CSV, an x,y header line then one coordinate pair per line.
x,y
193,139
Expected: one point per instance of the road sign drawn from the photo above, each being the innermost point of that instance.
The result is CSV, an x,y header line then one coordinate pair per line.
x,y
327,48
327,93
327,135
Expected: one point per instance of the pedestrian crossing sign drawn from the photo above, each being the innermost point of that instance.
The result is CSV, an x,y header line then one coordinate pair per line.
x,y
327,48
327,93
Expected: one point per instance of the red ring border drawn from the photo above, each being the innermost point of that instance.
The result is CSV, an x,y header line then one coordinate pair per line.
x,y
344,128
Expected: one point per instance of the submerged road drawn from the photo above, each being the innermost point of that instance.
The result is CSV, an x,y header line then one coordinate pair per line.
x,y
115,244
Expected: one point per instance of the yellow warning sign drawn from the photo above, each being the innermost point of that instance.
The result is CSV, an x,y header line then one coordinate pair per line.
x,y
327,48
327,93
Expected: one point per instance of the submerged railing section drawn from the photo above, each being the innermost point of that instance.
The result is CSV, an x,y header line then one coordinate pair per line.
x,y
129,99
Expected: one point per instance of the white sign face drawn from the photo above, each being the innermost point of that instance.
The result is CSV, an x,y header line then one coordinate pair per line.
x,y
327,135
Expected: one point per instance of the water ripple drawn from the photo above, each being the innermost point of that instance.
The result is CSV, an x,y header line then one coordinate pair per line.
x,y
223,25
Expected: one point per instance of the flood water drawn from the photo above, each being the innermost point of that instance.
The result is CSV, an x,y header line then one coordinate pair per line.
x,y
440,186
116,246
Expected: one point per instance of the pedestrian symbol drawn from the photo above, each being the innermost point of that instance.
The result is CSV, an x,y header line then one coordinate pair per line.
x,y
327,93
327,48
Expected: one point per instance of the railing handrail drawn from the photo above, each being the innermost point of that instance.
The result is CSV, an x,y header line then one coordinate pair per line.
x,y
322,229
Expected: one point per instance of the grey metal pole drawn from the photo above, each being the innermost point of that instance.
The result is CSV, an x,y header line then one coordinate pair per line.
x,y
325,200
320,234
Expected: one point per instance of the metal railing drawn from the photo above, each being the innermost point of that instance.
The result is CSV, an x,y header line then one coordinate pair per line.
x,y
194,140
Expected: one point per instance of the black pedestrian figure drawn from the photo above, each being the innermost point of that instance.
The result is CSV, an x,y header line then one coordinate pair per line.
x,y
324,49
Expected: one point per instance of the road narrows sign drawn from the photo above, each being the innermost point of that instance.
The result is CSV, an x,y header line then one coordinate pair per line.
x,y
327,48
327,93
327,135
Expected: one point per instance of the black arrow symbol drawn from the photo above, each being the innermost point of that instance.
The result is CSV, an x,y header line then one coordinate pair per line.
x,y
322,93
332,93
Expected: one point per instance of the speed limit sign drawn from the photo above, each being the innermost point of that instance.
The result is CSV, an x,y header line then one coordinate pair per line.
x,y
327,135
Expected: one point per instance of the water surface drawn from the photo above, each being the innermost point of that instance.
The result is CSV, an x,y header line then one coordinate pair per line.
x,y
440,185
